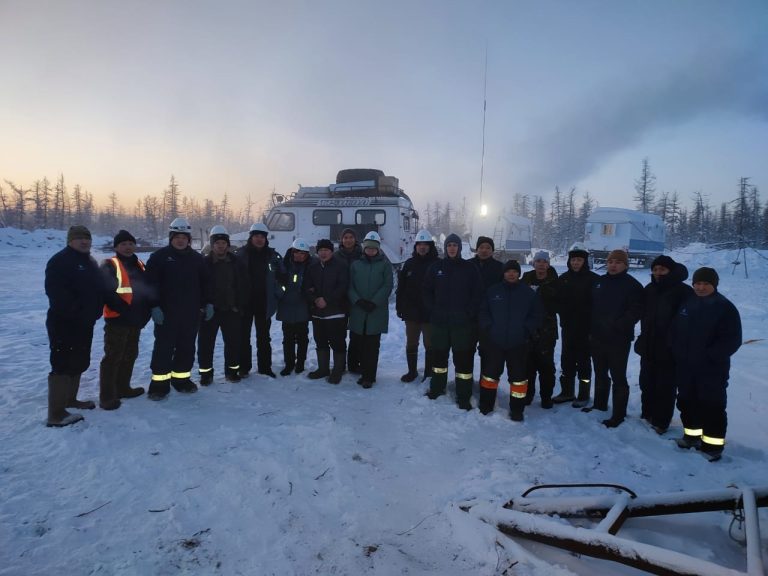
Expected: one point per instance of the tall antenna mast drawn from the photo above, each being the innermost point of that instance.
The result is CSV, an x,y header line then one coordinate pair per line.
x,y
483,207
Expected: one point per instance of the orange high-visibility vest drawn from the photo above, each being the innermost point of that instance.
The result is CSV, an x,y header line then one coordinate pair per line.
x,y
124,289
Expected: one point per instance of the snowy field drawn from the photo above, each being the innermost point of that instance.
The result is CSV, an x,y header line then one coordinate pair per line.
x,y
292,476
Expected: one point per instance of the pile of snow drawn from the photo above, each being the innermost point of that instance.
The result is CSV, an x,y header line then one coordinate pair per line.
x,y
292,476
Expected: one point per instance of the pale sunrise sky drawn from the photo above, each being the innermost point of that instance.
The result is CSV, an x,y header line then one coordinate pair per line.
x,y
244,96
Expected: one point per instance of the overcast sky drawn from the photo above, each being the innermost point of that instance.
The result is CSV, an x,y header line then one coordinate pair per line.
x,y
244,96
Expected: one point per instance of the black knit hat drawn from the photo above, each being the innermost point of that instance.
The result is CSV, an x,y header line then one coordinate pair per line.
x,y
123,236
485,240
512,265
663,260
348,231
706,275
324,243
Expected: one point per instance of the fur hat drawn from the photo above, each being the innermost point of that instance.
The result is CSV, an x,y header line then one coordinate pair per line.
x,y
663,260
485,240
578,252
512,265
123,236
706,275
541,255
77,232
324,243
619,255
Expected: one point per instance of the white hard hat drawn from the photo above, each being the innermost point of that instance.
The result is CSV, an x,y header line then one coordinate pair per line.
x,y
578,249
258,228
219,232
424,236
180,226
373,235
300,244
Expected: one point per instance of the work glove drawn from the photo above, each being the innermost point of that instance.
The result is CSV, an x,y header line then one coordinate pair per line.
x,y
157,315
366,305
208,312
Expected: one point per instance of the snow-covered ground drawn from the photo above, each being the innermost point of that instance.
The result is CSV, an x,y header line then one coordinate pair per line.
x,y
292,476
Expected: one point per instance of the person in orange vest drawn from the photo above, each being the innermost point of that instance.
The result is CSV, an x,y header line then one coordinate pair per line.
x,y
126,312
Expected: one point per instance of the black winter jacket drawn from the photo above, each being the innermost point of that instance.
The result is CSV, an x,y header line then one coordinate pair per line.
x,y
510,314
180,282
491,271
262,267
233,296
617,306
409,300
293,306
574,299
663,298
137,314
547,293
75,288
452,291
329,280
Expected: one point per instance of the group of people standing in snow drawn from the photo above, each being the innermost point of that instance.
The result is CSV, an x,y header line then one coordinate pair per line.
x,y
453,306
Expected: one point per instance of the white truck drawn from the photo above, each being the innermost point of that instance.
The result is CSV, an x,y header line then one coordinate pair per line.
x,y
362,199
641,235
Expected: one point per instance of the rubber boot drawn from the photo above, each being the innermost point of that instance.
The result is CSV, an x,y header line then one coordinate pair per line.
x,y
464,393
301,357
566,391
158,389
487,399
582,399
339,362
108,397
72,401
602,392
412,357
289,355
437,383
323,363
427,365
58,394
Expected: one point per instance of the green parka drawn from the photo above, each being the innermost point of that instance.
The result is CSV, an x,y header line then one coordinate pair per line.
x,y
370,279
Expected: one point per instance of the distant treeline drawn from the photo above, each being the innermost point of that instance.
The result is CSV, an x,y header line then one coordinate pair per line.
x,y
559,224
556,225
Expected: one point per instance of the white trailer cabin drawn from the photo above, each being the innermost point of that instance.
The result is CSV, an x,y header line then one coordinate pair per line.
x,y
518,238
641,235
371,202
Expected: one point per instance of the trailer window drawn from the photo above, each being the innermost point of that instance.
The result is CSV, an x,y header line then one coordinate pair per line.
x,y
406,224
608,230
282,221
378,217
326,217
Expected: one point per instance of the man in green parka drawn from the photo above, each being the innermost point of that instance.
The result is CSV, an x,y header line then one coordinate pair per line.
x,y
370,284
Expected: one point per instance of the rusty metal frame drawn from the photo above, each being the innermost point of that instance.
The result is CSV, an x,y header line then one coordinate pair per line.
x,y
522,517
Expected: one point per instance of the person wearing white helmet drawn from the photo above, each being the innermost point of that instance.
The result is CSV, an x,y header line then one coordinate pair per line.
x,y
262,264
370,284
349,251
410,307
230,290
293,308
574,294
182,289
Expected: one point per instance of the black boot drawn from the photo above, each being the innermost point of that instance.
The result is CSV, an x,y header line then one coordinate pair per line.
x,y
582,399
72,401
464,393
487,400
301,356
323,363
184,385
289,355
339,361
427,365
158,389
412,357
206,378
58,394
566,391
